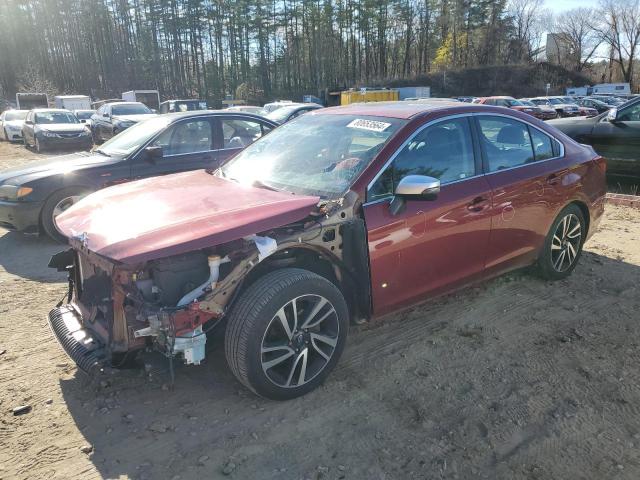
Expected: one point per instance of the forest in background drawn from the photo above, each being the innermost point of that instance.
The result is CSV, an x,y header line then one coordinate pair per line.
x,y
285,48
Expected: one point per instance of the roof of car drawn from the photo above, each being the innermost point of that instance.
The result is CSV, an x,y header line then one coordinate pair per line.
x,y
42,110
124,103
400,109
198,113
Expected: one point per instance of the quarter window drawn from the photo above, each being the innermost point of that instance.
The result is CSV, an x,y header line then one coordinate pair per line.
x,y
443,151
542,145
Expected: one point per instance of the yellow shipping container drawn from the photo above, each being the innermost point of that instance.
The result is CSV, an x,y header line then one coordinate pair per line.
x,y
355,96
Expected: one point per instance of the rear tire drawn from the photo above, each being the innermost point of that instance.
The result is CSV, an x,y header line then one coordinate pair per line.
x,y
273,351
563,246
56,204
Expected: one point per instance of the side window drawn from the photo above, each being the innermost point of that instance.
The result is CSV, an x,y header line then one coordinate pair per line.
x,y
542,145
506,142
190,136
630,114
443,151
240,133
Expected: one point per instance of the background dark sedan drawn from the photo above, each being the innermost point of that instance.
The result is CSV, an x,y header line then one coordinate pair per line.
x,y
55,128
600,106
32,196
291,111
614,134
112,118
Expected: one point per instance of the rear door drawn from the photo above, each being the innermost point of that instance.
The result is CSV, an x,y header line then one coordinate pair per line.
x,y
236,133
619,142
188,144
526,170
432,245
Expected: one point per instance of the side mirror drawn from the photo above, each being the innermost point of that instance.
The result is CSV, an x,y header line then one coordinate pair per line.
x,y
28,122
612,115
105,115
82,120
418,187
151,154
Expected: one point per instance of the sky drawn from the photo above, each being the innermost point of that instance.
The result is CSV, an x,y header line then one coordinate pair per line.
x,y
558,6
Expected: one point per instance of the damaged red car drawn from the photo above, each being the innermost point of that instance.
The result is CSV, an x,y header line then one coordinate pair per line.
x,y
339,216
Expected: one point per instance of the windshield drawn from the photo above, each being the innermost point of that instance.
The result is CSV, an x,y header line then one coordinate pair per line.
x,y
134,137
132,109
313,155
16,115
48,118
554,101
527,103
513,103
84,114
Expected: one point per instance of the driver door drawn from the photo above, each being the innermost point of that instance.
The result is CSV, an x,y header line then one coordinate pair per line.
x,y
186,145
431,246
619,141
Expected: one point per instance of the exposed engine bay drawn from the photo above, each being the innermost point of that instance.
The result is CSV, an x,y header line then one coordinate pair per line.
x,y
169,304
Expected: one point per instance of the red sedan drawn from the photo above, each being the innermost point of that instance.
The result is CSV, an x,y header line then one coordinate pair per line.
x,y
339,216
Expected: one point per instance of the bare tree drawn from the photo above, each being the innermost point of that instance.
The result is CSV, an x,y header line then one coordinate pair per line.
x,y
527,20
576,29
619,27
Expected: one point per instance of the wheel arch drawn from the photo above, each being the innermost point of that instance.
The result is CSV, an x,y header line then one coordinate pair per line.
x,y
313,259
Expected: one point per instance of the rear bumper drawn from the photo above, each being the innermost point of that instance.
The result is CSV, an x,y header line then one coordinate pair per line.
x,y
20,215
89,354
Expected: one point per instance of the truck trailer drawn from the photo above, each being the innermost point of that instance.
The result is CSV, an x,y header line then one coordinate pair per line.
x,y
151,98
73,102
28,101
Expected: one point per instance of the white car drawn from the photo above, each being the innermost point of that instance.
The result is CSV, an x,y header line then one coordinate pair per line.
x,y
11,122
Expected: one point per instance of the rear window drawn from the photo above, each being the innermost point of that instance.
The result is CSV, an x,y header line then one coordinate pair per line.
x,y
130,110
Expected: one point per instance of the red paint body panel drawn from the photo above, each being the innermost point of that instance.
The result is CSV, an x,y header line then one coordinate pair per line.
x,y
431,246
172,214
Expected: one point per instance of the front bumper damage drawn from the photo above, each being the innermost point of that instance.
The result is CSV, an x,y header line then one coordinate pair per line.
x,y
169,304
80,345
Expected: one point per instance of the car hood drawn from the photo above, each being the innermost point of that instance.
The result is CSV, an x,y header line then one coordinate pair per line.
x,y
133,118
62,127
158,217
14,123
60,164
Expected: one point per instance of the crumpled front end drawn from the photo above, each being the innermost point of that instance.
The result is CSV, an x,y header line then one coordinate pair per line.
x,y
114,311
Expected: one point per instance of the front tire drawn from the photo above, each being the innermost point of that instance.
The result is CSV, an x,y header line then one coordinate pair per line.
x,y
563,246
39,147
57,203
286,333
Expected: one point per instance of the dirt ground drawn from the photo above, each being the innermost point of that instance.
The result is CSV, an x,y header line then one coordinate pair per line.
x,y
517,378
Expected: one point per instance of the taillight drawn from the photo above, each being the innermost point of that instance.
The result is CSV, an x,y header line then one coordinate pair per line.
x,y
601,162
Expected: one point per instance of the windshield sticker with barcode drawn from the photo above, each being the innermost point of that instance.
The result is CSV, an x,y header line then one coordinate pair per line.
x,y
372,125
